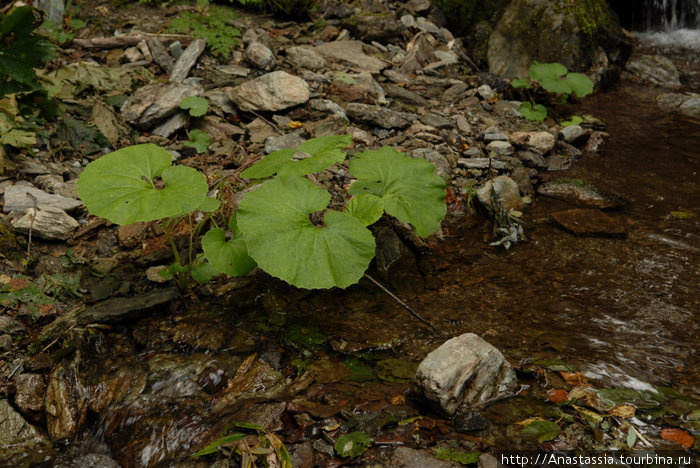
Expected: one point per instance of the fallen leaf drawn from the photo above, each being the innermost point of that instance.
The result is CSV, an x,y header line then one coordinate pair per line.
x,y
17,284
574,378
398,400
678,436
623,411
557,395
295,124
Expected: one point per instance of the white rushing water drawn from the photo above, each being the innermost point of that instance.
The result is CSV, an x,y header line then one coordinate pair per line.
x,y
682,38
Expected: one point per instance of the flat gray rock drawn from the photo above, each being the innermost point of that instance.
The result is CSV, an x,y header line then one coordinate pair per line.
x,y
271,92
481,163
47,223
464,372
16,199
187,60
170,125
280,142
385,118
153,103
160,54
306,57
350,53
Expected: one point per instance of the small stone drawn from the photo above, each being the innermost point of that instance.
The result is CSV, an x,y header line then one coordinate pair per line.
x,y
351,53
455,92
505,190
306,57
373,27
500,136
399,92
176,49
187,60
133,54
437,121
383,117
541,141
47,223
405,457
424,24
558,162
462,373
590,222
29,396
280,142
326,105
463,125
260,56
153,103
485,92
153,274
482,163
171,125
20,198
271,92
571,133
6,342
501,148
408,21
160,54
15,431
595,141
259,130
532,159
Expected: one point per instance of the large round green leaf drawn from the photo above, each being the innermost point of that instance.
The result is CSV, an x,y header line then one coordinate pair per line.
x,y
540,71
409,187
122,186
229,257
274,220
580,84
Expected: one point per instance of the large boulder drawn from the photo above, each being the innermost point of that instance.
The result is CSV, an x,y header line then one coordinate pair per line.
x,y
582,36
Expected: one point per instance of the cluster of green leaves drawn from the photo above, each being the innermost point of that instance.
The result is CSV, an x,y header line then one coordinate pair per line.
x,y
62,35
555,79
274,227
252,442
352,445
211,22
197,107
40,293
21,50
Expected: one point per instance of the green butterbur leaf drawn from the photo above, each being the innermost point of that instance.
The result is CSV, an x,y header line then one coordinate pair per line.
x,y
274,220
555,85
520,83
199,140
408,187
196,105
537,113
580,84
18,138
321,153
575,120
122,186
229,257
366,207
209,205
540,71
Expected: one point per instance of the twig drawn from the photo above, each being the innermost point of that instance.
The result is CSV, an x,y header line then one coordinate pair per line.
x,y
31,223
274,125
57,338
405,306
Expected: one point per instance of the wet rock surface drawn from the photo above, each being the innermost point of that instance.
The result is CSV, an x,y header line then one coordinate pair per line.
x,y
590,222
463,372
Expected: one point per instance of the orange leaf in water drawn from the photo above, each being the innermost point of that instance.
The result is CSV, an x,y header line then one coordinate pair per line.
x,y
574,378
557,395
678,436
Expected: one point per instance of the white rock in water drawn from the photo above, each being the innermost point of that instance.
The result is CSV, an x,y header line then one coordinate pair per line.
x,y
47,223
571,133
463,372
505,190
271,92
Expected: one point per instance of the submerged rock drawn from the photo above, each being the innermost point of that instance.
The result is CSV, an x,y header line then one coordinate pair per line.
x,y
590,222
18,438
579,191
464,372
504,189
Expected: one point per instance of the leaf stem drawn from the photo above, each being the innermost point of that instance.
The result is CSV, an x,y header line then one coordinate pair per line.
x,y
405,306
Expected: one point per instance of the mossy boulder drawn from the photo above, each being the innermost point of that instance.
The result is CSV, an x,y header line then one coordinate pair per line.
x,y
463,15
583,35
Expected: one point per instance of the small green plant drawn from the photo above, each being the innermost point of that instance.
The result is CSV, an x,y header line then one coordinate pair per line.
x,y
353,445
21,50
197,107
253,443
60,34
210,23
284,225
555,79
